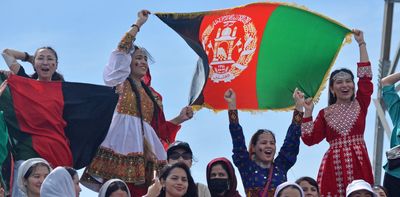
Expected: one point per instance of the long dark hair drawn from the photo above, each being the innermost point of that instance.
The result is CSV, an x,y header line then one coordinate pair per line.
x,y
309,180
192,188
331,97
56,76
114,186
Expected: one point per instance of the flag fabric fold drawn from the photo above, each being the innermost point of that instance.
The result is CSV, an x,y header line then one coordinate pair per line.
x,y
262,50
65,122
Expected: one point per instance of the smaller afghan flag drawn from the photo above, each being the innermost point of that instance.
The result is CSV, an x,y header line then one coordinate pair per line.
x,y
263,51
63,122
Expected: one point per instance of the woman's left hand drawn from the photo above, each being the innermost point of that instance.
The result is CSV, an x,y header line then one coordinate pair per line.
x,y
186,113
3,87
358,36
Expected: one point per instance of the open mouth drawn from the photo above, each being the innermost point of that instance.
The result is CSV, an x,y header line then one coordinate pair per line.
x,y
45,69
268,153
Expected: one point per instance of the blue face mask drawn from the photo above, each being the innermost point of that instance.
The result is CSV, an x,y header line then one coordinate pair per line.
x,y
218,185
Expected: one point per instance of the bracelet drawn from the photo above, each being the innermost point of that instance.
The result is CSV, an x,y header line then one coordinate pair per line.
x,y
26,57
362,43
137,26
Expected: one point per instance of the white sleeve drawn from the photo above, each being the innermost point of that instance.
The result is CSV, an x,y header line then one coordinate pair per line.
x,y
117,69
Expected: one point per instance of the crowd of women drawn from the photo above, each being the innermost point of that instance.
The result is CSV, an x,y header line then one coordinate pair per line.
x,y
140,156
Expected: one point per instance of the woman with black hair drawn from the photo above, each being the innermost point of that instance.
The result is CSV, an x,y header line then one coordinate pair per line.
x,y
114,187
175,181
44,62
138,135
342,123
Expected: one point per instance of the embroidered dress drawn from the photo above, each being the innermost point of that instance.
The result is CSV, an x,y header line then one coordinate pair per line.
x,y
343,126
121,154
254,177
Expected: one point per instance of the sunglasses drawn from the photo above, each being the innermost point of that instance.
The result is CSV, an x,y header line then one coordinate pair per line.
x,y
176,156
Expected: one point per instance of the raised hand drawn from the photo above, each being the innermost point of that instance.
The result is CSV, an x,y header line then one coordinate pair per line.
x,y
308,107
186,113
230,98
358,36
298,97
154,189
143,15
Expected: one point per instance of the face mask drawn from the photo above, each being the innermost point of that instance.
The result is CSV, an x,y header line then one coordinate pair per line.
x,y
218,185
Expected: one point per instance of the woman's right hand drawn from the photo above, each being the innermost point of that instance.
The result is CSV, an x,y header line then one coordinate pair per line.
x,y
230,98
308,107
154,189
143,15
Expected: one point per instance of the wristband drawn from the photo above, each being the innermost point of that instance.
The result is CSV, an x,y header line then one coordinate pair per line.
x,y
26,57
362,43
137,26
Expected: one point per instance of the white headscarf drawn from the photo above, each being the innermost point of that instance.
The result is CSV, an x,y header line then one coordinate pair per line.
x,y
287,183
104,187
58,183
23,169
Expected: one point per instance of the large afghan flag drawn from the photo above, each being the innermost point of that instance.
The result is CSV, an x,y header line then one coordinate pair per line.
x,y
263,51
63,122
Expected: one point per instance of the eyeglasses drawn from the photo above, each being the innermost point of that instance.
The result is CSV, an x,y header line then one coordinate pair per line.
x,y
176,156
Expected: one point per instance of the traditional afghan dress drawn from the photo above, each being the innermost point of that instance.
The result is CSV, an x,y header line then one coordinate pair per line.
x,y
343,126
121,155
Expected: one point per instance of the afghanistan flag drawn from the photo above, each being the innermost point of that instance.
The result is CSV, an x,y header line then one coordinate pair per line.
x,y
63,122
263,51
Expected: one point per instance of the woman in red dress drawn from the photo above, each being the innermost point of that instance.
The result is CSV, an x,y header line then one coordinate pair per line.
x,y
342,123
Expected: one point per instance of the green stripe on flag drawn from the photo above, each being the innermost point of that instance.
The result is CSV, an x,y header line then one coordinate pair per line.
x,y
297,47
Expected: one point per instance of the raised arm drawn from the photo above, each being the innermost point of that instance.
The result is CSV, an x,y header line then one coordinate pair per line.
x,y
391,79
118,68
359,37
11,56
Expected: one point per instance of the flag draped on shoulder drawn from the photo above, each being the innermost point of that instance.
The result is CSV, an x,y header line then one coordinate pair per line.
x,y
63,122
263,51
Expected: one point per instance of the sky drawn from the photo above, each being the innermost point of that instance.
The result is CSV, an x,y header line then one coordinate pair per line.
x,y
85,32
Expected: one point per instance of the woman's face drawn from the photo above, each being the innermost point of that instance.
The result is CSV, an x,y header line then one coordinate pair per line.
x,y
139,64
45,64
35,180
217,171
290,192
308,189
265,148
176,184
361,193
119,193
76,184
343,89
379,192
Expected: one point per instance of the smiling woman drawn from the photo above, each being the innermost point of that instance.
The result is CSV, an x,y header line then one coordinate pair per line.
x,y
260,172
44,61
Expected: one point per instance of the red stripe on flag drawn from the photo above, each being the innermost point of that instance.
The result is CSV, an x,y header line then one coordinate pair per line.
x,y
39,110
231,39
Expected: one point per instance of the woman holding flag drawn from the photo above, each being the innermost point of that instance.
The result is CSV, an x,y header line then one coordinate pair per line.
x,y
135,144
261,172
342,123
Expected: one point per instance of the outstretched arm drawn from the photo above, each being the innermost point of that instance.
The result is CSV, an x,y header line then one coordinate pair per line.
x,y
391,79
185,114
359,37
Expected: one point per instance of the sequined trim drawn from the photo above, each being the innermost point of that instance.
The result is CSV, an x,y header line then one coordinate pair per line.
x,y
126,43
364,71
233,116
342,117
306,128
130,168
127,103
297,117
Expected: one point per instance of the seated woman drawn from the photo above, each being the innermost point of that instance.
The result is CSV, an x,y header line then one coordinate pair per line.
x,y
31,175
114,187
260,172
221,178
61,182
